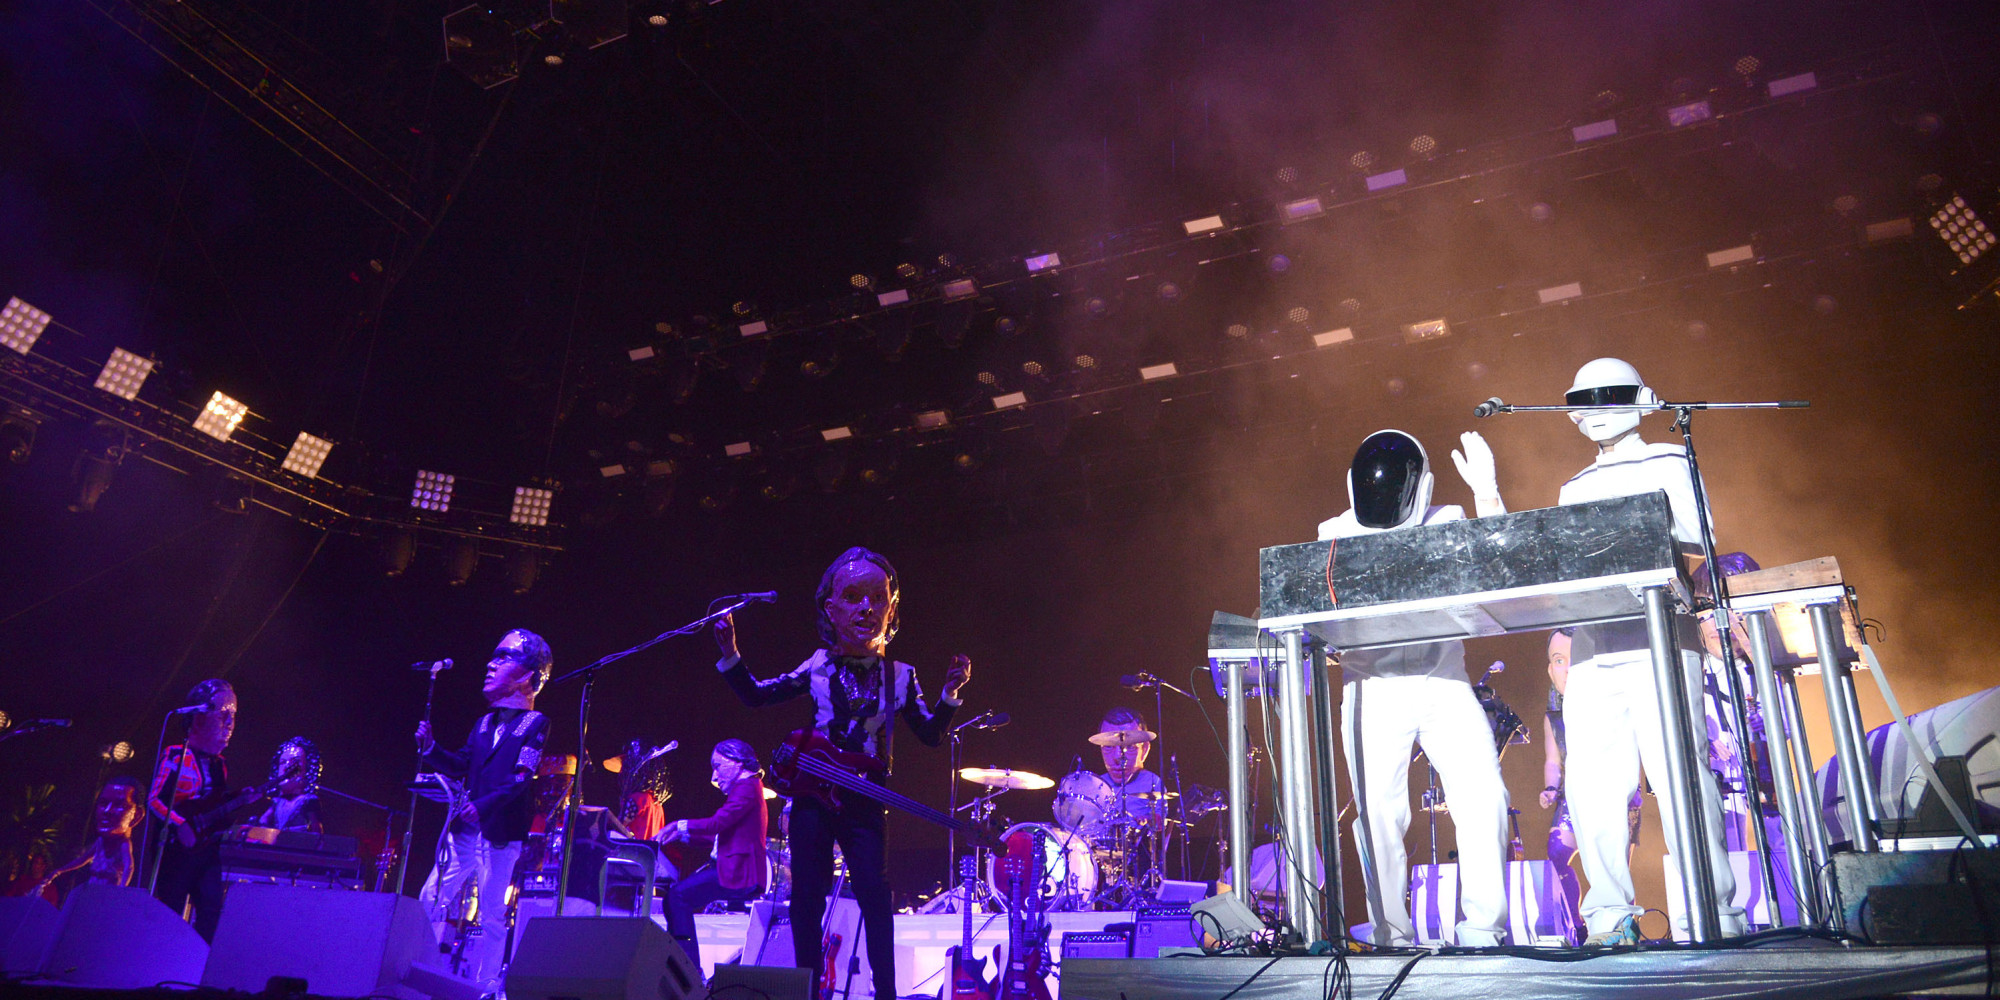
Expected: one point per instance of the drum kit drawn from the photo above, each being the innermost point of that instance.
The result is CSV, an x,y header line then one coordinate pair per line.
x,y
1108,843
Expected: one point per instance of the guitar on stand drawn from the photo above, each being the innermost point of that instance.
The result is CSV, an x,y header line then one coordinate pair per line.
x,y
808,764
829,942
1025,976
968,973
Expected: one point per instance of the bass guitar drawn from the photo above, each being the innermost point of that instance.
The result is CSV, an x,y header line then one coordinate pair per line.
x,y
213,819
808,765
968,973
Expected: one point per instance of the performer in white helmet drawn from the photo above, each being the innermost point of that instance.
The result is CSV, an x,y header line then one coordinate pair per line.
x,y
1611,704
1402,695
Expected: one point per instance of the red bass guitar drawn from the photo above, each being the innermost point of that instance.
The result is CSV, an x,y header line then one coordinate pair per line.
x,y
968,974
1025,976
808,765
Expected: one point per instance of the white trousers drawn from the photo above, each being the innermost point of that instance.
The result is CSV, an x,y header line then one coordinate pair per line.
x,y
1443,715
492,865
1613,719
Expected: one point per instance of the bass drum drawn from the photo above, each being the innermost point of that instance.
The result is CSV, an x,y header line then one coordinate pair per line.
x,y
1069,874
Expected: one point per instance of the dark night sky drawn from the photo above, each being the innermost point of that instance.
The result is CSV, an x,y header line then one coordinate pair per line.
x,y
774,148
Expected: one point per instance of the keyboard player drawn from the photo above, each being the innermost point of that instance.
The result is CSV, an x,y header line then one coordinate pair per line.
x,y
1419,694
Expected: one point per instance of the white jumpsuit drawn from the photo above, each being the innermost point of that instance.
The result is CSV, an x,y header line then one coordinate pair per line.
x,y
1406,695
1613,714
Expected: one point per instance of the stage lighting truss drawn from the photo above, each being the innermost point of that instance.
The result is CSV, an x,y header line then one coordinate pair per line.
x,y
531,507
124,373
1962,230
220,417
307,455
432,491
21,325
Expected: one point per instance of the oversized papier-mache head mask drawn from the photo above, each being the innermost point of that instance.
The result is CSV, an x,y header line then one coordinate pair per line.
x,y
1389,484
1609,382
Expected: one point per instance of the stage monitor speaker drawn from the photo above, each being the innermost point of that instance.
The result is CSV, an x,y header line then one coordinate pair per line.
x,y
768,940
342,943
120,938
1158,928
600,958
26,925
756,982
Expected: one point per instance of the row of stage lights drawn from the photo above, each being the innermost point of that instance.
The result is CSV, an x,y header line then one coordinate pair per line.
x,y
124,374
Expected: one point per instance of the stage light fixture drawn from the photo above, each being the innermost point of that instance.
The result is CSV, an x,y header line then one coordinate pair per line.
x,y
124,373
1236,331
482,46
308,453
778,485
611,471
831,434
642,353
1298,314
1167,291
398,551
659,490
1042,262
1962,230
1086,361
1558,293
432,491
894,297
96,465
1430,329
524,567
1010,400
1748,66
1031,368
961,288
1797,84
1151,372
531,506
753,329
1593,131
1301,209
17,437
1732,255
860,281
117,753
21,325
461,560
1423,145
986,377
932,420
1332,337
1288,175
1205,224
1689,114
1890,229
1384,181
878,465
1362,160
1278,263
220,417
740,449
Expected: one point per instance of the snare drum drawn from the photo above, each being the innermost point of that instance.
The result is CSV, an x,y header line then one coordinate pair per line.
x,y
1083,803
1069,874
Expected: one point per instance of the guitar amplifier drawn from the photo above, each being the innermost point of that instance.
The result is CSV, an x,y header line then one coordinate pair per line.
x,y
1161,927
1096,944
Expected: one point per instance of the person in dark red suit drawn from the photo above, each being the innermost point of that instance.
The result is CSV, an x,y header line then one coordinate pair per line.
x,y
739,829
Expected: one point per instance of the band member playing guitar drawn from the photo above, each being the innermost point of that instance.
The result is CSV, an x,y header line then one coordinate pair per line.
x,y
857,691
187,812
498,762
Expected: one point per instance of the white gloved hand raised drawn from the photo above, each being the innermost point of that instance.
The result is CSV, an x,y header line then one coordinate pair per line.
x,y
1475,466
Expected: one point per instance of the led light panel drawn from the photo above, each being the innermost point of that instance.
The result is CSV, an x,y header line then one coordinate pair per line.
x,y
307,455
433,491
21,325
219,418
124,373
531,506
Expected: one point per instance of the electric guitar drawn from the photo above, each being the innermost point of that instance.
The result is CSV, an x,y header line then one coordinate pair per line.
x,y
968,974
1025,977
808,765
211,820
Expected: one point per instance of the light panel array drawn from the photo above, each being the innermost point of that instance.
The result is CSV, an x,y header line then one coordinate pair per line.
x,y
1962,229
307,455
124,374
433,491
531,506
219,418
21,325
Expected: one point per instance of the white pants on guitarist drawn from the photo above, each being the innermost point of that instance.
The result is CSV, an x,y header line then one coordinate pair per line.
x,y
491,867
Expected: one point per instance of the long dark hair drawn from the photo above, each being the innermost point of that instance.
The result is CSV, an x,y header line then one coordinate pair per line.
x,y
742,753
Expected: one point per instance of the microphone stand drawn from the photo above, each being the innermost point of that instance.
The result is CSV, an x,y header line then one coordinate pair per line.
x,y
1684,422
588,673
410,815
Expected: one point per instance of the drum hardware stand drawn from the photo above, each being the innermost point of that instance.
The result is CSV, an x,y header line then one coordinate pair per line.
x,y
1704,918
588,673
956,755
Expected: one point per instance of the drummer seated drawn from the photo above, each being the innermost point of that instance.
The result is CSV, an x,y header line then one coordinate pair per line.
x,y
739,829
1134,792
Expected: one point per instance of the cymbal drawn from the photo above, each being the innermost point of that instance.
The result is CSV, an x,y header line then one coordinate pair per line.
x,y
1005,777
1162,794
1123,737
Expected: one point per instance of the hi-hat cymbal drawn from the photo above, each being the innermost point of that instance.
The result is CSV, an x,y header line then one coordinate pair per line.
x,y
1123,737
1162,794
1005,777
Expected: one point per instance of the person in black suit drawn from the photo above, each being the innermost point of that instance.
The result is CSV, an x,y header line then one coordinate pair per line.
x,y
490,823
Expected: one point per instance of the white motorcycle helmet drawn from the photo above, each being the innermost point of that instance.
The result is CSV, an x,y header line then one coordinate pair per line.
x,y
1609,382
1389,484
